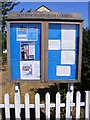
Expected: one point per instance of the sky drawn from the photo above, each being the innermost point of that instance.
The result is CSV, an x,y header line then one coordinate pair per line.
x,y
63,7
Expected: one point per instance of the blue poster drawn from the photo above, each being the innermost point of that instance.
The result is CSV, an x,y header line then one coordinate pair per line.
x,y
27,34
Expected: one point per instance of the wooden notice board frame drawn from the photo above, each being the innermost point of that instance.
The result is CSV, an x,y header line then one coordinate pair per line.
x,y
44,50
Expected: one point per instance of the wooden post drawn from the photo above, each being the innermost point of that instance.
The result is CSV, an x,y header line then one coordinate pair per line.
x,y
71,90
7,106
37,106
17,101
27,111
47,106
87,105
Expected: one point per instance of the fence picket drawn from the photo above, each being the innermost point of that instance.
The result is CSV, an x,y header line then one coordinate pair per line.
x,y
37,106
87,107
68,105
78,100
27,112
17,107
7,106
47,106
58,101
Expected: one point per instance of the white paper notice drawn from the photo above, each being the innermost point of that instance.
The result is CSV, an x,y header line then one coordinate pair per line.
x,y
37,69
30,70
68,36
67,57
63,71
54,44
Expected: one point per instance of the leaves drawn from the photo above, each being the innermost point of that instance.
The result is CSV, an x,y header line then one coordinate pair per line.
x,y
6,8
29,10
22,10
85,76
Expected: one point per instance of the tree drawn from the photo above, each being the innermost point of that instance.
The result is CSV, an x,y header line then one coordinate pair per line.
x,y
29,10
86,60
21,10
6,8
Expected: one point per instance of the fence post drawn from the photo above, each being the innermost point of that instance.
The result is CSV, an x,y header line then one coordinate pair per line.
x,y
17,101
47,106
78,100
58,101
27,112
68,105
7,107
71,90
87,105
37,106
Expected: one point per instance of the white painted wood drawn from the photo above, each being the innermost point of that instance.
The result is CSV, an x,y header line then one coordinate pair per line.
x,y
87,107
27,111
68,105
17,101
2,106
17,107
37,106
47,106
82,103
71,90
17,91
78,100
7,108
58,101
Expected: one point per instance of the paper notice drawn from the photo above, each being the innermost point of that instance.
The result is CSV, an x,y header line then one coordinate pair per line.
x,y
37,69
67,57
30,70
63,71
68,37
54,44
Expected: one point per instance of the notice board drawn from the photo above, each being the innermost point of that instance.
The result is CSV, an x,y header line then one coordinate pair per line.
x,y
25,55
45,52
63,41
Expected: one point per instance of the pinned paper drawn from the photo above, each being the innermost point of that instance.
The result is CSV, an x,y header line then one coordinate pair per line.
x,y
63,71
30,70
54,44
68,36
67,57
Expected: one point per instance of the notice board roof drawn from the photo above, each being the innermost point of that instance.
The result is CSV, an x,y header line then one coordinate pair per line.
x,y
43,13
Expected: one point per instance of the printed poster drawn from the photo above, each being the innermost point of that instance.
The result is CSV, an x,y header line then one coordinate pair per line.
x,y
54,45
68,36
27,34
67,57
30,70
63,71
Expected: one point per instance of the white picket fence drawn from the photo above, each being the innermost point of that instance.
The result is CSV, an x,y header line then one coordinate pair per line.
x,y
58,105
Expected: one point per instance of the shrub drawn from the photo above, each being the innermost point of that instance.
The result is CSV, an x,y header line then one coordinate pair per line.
x,y
4,58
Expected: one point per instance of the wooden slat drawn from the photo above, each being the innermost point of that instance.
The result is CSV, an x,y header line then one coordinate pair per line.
x,y
46,52
37,106
47,106
42,50
78,100
68,105
17,107
7,108
27,112
58,101
80,52
87,107
8,51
